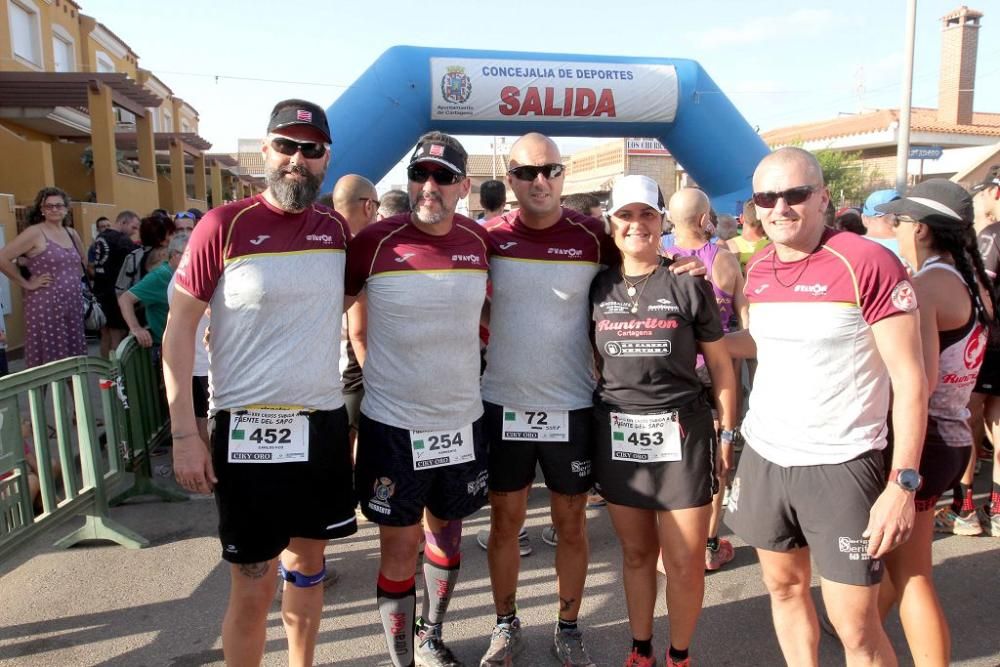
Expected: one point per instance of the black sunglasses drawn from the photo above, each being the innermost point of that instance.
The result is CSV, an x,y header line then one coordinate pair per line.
x,y
792,196
419,174
529,172
310,149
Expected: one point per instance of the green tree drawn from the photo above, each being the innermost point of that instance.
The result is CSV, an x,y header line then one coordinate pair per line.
x,y
846,175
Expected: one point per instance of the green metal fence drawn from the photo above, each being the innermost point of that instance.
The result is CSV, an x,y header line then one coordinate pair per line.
x,y
74,479
139,383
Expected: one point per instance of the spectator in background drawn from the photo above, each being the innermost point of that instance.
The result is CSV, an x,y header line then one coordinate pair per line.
x,y
493,198
53,300
393,203
751,238
184,222
151,291
879,226
101,224
849,220
197,213
154,235
586,203
111,247
726,229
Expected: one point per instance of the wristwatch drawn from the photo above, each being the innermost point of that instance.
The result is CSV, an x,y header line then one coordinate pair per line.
x,y
908,479
727,436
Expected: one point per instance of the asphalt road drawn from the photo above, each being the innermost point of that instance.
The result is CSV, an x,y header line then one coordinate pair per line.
x,y
105,605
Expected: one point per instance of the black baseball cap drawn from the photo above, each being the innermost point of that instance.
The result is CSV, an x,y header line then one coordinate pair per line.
x,y
991,180
439,153
936,200
299,112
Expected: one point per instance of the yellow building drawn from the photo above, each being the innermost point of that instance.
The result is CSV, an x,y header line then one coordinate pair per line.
x,y
77,112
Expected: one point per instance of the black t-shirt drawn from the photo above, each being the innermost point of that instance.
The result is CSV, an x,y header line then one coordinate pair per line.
x,y
111,247
352,372
646,360
989,248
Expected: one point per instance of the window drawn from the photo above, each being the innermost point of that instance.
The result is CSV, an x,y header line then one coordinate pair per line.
x,y
168,122
62,51
185,127
25,34
104,62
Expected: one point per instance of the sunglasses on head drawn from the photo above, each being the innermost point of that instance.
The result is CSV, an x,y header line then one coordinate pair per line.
x,y
310,149
529,172
184,215
419,174
792,196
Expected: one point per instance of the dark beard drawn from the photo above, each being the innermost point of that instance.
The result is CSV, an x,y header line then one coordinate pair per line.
x,y
293,195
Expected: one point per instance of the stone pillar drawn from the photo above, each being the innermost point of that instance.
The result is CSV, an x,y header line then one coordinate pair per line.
x,y
178,184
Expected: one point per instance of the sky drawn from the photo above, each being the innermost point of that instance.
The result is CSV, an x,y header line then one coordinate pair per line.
x,y
780,62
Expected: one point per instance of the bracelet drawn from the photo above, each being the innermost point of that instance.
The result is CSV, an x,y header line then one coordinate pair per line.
x,y
181,436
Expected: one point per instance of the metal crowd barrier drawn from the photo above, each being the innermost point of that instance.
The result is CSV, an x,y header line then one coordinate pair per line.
x,y
139,382
77,480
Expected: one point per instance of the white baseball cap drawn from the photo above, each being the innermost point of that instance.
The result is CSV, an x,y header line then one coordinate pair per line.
x,y
635,189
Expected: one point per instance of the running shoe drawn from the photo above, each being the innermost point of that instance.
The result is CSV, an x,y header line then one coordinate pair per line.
x,y
686,662
567,645
431,650
990,523
504,643
523,541
636,660
947,521
716,558
549,536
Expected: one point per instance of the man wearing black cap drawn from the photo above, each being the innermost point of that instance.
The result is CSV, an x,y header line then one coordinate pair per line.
x,y
421,447
280,463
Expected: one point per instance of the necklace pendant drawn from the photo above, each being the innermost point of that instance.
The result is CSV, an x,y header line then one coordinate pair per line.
x,y
634,309
630,291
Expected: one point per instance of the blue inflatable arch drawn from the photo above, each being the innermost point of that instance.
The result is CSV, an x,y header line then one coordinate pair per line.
x,y
412,90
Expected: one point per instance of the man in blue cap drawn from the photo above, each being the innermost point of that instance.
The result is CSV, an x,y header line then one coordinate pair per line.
x,y
879,225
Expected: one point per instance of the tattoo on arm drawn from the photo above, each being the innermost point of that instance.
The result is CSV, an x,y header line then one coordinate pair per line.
x,y
565,604
254,570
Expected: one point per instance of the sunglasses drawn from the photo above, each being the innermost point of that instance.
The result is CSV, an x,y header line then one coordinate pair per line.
x,y
53,207
530,172
376,202
419,174
792,196
184,215
311,150
899,219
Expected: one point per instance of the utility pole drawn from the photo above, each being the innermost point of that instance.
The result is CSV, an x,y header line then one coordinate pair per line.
x,y
903,131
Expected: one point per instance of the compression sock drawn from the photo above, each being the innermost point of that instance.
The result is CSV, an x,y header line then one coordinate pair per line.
x,y
397,601
566,625
995,499
968,505
643,647
677,655
440,576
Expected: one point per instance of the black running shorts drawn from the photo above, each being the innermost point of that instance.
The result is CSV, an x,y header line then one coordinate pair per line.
x,y
263,505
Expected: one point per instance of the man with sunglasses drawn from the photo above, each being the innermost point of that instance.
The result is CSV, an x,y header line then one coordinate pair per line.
x,y
422,451
538,386
834,327
271,267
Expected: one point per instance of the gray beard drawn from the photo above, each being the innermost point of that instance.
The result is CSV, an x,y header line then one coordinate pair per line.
x,y
293,195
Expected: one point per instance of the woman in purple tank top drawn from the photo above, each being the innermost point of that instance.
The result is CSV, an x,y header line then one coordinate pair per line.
x,y
934,228
53,301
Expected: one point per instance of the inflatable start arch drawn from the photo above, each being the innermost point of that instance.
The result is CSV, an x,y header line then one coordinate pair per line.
x,y
411,90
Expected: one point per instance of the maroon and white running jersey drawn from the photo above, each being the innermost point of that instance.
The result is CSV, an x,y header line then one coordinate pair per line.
x,y
539,353
821,391
275,283
425,295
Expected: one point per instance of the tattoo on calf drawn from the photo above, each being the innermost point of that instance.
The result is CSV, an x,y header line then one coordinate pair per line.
x,y
509,604
565,604
254,570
